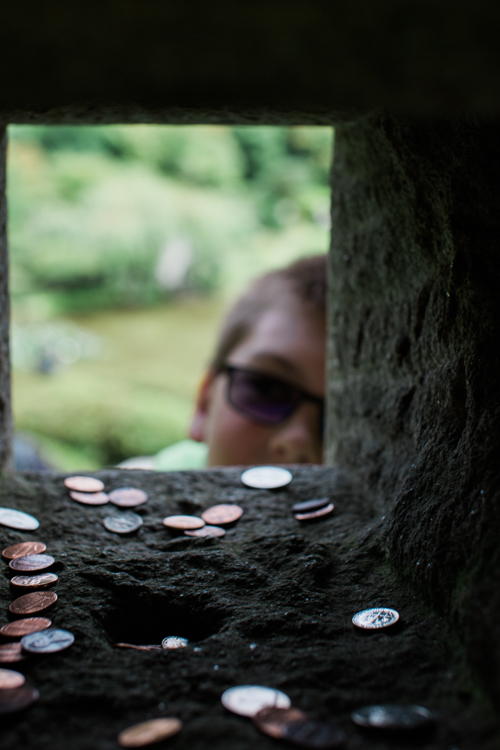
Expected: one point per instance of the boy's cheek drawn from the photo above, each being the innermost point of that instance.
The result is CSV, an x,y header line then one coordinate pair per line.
x,y
233,439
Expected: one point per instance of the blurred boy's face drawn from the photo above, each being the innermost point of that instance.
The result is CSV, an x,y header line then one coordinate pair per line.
x,y
287,343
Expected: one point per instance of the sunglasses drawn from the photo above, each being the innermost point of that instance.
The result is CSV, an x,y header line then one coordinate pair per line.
x,y
263,398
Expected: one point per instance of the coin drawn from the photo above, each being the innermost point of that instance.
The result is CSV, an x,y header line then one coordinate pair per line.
x,y
373,619
248,700
392,717
149,732
138,648
313,734
266,477
11,652
84,484
40,581
89,498
32,562
10,679
17,699
47,641
206,531
270,720
174,641
222,514
125,523
128,497
16,519
22,627
309,505
34,602
22,549
183,523
315,513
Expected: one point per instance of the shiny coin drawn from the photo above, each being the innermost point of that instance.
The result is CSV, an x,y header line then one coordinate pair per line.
x,y
307,506
222,514
373,619
22,549
313,734
270,720
47,641
89,498
34,602
149,732
10,679
315,513
128,497
125,523
392,717
138,648
17,699
206,531
22,627
84,484
40,581
174,641
32,562
266,477
248,700
16,519
183,523
11,652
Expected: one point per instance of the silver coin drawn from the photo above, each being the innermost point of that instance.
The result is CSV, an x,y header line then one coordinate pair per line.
x,y
124,523
266,477
174,641
376,618
307,506
392,717
206,531
248,700
16,519
31,562
47,641
40,581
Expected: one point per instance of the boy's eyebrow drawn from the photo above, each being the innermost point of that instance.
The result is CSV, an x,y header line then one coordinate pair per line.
x,y
283,363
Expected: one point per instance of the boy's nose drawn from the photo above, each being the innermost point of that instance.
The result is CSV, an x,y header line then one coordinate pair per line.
x,y
298,441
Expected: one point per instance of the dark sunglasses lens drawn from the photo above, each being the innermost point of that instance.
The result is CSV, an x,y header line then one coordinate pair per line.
x,y
261,398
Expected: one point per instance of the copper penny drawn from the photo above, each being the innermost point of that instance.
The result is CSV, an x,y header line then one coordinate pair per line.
x,y
34,602
22,627
315,513
183,523
138,648
89,498
149,732
376,618
32,562
10,679
319,735
17,699
22,549
11,652
84,484
309,505
206,531
222,514
128,497
40,581
270,720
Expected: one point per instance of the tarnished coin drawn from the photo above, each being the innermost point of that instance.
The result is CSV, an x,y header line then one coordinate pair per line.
x,y
32,562
138,648
125,523
47,641
34,602
89,498
313,734
22,627
128,497
174,641
266,477
315,513
10,653
392,717
40,581
222,514
307,506
10,679
373,619
183,523
84,484
22,549
16,519
154,730
17,699
270,720
248,700
206,531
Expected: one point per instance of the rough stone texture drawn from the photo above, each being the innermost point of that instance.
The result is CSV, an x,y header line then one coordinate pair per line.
x,y
271,603
5,412
414,377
